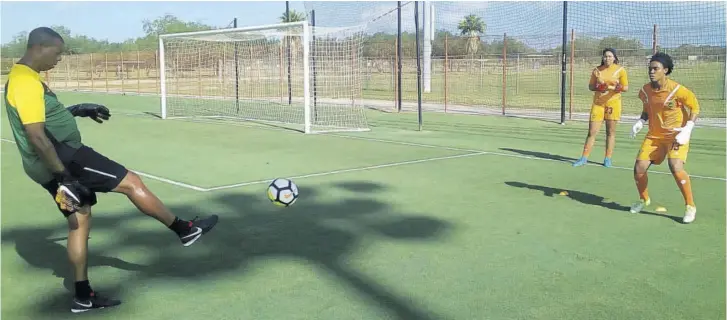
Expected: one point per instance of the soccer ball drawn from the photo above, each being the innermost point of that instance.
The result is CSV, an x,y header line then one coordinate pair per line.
x,y
282,192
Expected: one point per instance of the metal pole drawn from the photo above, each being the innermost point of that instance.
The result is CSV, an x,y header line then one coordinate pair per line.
x,y
398,52
287,44
563,61
572,65
653,41
313,46
237,75
419,69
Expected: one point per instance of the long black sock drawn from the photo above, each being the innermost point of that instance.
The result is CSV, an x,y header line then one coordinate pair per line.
x,y
180,226
83,290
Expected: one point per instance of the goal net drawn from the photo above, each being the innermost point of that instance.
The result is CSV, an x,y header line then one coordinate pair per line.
x,y
304,77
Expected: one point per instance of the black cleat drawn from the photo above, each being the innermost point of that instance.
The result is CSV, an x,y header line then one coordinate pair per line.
x,y
197,229
94,302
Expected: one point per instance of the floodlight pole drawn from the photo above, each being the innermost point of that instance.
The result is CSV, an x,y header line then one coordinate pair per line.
x,y
563,62
398,54
419,68
237,75
287,45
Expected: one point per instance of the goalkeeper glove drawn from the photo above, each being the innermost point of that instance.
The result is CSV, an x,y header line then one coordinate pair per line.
x,y
636,128
619,88
71,195
94,111
685,133
601,87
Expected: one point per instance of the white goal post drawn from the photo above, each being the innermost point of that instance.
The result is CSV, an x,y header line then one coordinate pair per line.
x,y
293,74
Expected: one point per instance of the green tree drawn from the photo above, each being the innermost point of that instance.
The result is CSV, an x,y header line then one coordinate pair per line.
x,y
294,16
472,27
294,38
79,44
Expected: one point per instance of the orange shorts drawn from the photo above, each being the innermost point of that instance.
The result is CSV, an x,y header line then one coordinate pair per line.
x,y
611,110
656,150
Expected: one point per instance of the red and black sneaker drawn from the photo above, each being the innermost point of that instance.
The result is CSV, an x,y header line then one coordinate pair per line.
x,y
94,302
197,229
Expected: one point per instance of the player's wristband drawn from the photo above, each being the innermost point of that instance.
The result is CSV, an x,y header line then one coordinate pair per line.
x,y
689,126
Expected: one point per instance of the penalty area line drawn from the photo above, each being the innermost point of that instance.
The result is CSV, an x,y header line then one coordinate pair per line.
x,y
328,173
150,176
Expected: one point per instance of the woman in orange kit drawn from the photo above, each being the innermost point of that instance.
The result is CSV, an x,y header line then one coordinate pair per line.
x,y
607,81
671,110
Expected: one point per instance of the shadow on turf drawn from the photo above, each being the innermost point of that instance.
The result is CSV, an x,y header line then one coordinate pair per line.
x,y
586,198
322,230
541,155
547,156
545,133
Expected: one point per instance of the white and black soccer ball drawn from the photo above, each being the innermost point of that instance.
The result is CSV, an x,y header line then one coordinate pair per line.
x,y
282,192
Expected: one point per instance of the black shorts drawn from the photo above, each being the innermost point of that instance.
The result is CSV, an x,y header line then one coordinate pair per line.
x,y
94,171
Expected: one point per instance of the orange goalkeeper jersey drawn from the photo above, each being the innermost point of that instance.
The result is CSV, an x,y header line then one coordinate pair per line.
x,y
668,108
612,75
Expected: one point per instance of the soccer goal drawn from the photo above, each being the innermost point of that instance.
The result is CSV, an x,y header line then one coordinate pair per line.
x,y
306,77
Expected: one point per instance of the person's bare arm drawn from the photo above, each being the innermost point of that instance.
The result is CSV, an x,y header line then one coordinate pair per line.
x,y
44,147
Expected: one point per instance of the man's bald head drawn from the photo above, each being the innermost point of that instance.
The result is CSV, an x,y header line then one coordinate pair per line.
x,y
44,49
43,36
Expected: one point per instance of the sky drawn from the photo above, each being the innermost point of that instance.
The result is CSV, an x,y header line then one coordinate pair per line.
x,y
705,21
118,21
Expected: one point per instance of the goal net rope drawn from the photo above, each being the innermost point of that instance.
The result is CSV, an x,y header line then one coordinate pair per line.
x,y
292,73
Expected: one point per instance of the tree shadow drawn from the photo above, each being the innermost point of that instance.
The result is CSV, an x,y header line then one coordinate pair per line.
x,y
585,198
34,246
319,229
359,186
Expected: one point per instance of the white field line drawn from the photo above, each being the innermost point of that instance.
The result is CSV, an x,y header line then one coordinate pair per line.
x,y
327,173
503,154
471,152
413,144
153,177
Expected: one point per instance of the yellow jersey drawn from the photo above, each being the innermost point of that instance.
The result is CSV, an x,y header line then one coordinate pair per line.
x,y
611,75
668,107
29,100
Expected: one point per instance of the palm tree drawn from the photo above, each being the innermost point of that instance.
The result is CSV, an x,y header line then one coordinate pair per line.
x,y
472,27
295,16
295,37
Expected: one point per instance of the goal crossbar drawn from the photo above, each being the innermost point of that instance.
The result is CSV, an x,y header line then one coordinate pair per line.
x,y
233,30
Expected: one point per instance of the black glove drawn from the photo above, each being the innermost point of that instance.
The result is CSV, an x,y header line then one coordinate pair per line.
x,y
94,111
71,194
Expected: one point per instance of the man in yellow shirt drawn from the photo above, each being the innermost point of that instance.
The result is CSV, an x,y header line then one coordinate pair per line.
x,y
53,156
608,81
671,110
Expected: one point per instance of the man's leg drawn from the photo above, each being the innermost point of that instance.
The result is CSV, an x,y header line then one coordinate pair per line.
x,y
79,228
85,299
144,200
105,175
148,203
